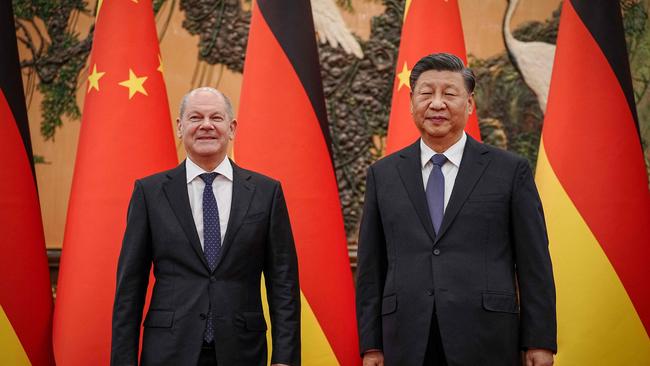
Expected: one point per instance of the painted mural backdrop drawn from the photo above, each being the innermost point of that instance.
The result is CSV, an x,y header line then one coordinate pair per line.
x,y
357,73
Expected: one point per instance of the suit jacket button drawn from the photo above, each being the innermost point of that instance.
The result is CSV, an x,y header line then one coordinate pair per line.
x,y
213,279
430,292
436,252
203,316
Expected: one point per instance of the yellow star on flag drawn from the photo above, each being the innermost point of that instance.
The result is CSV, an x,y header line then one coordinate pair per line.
x,y
93,79
403,77
135,84
160,64
406,8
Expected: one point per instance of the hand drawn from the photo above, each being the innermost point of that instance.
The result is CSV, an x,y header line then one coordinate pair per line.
x,y
373,358
538,357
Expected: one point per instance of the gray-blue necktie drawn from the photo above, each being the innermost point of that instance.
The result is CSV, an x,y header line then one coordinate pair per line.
x,y
211,238
436,191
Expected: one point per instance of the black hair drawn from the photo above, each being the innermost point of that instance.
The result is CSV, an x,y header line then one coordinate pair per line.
x,y
443,62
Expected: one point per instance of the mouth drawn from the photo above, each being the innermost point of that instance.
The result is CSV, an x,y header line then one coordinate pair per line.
x,y
436,119
206,138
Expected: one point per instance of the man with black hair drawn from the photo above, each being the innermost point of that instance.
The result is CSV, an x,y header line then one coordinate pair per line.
x,y
453,261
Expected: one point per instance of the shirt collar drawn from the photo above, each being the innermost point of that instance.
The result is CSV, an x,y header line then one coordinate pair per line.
x,y
454,153
192,170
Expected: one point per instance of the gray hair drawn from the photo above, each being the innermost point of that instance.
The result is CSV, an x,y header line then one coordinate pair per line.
x,y
229,110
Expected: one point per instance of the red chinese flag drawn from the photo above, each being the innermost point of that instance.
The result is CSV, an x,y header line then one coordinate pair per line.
x,y
25,293
283,132
593,183
125,134
430,26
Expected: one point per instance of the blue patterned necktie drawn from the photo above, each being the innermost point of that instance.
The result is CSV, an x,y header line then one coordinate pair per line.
x,y
436,191
211,238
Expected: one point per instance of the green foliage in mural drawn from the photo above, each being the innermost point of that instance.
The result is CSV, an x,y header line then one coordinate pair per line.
x,y
637,34
57,57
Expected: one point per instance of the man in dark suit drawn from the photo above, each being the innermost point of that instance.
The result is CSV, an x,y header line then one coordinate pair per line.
x,y
210,229
453,261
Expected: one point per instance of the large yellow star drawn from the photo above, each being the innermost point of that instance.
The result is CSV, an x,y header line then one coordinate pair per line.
x,y
93,79
403,77
135,84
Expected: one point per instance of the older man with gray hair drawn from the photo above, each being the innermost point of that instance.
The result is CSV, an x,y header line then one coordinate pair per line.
x,y
210,228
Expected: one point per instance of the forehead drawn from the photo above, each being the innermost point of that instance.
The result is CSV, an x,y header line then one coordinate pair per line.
x,y
205,102
440,78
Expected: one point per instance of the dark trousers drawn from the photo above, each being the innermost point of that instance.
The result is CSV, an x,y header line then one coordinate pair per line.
x,y
208,357
435,355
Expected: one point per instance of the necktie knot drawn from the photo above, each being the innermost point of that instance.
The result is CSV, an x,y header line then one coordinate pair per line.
x,y
208,178
439,159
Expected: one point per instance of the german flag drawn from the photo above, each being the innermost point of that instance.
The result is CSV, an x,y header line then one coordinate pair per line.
x,y
592,180
430,26
126,133
283,132
25,293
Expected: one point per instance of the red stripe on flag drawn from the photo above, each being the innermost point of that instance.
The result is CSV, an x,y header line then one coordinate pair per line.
x,y
431,26
25,293
279,135
593,147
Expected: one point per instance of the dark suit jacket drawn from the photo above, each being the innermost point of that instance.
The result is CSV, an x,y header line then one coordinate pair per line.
x,y
486,276
160,230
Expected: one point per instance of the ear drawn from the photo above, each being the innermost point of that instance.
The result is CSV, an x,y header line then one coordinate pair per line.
x,y
411,102
179,129
233,127
470,104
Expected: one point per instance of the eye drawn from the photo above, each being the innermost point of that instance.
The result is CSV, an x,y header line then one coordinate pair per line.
x,y
194,119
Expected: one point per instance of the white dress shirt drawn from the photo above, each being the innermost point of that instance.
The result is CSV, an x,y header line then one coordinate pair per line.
x,y
449,169
221,187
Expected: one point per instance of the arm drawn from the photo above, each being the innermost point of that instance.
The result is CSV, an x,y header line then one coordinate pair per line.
x,y
533,262
283,290
132,279
371,272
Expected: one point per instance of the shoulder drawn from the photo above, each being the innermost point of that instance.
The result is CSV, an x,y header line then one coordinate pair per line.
x,y
159,178
258,179
391,160
500,156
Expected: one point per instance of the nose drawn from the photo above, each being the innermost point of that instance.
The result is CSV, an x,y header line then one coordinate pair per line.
x,y
436,102
206,124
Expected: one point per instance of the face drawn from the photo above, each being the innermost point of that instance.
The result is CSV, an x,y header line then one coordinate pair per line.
x,y
440,106
205,128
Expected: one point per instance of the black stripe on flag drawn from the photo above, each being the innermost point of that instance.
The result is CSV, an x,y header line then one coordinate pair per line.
x,y
292,24
11,82
603,20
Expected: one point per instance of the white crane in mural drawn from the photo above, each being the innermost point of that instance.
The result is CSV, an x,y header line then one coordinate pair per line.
x,y
331,28
534,60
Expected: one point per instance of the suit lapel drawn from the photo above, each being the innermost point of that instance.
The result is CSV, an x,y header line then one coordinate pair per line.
x,y
475,160
242,194
176,192
410,171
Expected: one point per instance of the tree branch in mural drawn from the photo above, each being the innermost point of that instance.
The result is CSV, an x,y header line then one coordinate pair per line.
x,y
57,56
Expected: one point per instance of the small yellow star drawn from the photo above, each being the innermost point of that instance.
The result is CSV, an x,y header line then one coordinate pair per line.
x,y
93,79
135,1
160,64
403,77
135,84
99,7
407,5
